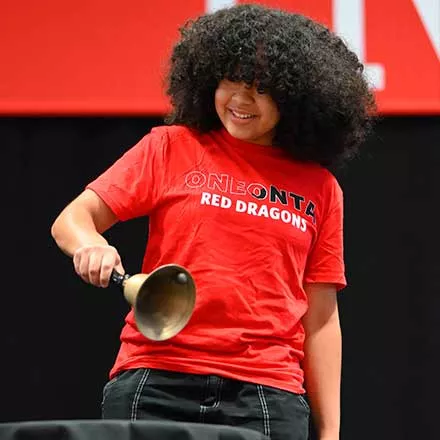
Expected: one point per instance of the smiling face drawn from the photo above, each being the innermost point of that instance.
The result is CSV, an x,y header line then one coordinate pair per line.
x,y
245,113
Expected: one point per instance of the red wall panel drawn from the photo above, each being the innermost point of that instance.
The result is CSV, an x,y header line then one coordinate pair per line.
x,y
109,56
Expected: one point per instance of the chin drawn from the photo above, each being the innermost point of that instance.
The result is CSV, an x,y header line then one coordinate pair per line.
x,y
239,134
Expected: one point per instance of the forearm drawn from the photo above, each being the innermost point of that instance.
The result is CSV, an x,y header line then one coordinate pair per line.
x,y
322,368
74,229
82,223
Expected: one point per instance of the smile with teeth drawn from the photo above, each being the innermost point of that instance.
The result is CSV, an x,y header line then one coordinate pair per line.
x,y
242,115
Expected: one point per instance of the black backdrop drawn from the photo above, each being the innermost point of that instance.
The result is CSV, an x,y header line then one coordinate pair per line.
x,y
59,336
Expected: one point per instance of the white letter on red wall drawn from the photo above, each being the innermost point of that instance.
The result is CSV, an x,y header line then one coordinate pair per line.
x,y
349,23
213,5
429,12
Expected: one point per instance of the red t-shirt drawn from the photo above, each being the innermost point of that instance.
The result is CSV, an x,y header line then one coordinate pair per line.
x,y
251,225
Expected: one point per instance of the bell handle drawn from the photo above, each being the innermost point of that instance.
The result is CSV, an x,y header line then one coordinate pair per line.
x,y
118,279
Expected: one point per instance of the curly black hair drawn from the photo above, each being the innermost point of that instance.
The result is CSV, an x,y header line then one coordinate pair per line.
x,y
326,105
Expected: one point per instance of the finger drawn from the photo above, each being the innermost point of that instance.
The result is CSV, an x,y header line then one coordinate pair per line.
x,y
107,265
119,268
83,266
81,263
77,262
94,268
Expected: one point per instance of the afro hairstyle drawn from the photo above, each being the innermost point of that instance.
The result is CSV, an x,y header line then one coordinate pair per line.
x,y
318,84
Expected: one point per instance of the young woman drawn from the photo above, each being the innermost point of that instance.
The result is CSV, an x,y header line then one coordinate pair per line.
x,y
237,189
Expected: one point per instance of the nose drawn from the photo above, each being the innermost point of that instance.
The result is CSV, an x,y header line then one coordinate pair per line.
x,y
243,94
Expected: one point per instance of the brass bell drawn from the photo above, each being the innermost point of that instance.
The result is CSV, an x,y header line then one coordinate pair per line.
x,y
163,300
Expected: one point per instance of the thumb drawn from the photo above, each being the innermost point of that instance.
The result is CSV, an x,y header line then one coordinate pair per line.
x,y
119,268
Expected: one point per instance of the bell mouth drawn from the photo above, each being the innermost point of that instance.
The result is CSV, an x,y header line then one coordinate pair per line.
x,y
165,302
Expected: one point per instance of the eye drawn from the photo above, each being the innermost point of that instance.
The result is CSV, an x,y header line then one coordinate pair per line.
x,y
260,89
227,83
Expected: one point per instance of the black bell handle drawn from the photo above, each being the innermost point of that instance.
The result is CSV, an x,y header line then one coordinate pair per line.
x,y
118,279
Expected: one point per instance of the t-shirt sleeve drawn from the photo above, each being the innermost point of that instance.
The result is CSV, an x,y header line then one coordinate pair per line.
x,y
132,186
325,262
